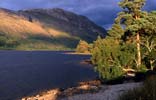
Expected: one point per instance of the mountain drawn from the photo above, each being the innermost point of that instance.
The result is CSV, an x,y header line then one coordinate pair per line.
x,y
45,29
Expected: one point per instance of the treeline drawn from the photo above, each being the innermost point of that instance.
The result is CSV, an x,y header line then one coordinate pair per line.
x,y
130,43
8,42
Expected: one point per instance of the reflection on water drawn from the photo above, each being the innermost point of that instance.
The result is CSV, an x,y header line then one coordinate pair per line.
x,y
25,72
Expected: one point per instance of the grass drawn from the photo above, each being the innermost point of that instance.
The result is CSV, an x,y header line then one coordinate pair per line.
x,y
17,27
47,43
145,92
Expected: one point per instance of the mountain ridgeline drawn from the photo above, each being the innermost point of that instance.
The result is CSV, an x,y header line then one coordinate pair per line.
x,y
44,29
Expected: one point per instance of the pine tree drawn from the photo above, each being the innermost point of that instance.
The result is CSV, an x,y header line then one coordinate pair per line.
x,y
137,25
130,44
129,18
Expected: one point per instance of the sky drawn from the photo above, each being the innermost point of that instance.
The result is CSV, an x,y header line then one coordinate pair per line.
x,y
102,12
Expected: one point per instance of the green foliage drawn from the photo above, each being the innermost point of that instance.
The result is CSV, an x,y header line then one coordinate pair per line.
x,y
96,53
8,42
2,41
47,43
83,47
146,92
149,51
105,54
116,31
127,44
132,6
127,55
138,25
135,20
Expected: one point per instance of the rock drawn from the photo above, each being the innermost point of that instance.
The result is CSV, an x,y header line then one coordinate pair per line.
x,y
49,95
92,83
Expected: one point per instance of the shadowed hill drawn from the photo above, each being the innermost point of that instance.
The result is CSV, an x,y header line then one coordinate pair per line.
x,y
46,28
65,21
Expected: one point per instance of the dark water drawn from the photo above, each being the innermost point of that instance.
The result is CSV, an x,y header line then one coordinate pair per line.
x,y
23,73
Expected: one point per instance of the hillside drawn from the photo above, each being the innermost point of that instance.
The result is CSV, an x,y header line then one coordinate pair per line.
x,y
45,29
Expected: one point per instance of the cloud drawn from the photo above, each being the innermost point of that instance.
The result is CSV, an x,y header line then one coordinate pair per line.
x,y
101,12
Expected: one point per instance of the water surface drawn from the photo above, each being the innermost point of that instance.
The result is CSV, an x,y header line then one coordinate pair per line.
x,y
25,72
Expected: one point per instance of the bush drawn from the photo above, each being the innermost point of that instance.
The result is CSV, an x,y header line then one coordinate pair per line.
x,y
146,92
83,47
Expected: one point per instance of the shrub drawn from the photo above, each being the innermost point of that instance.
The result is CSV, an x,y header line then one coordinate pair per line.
x,y
83,47
146,92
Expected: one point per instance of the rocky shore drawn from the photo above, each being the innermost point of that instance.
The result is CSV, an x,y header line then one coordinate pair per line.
x,y
87,91
111,92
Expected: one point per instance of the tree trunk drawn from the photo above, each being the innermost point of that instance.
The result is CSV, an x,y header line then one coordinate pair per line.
x,y
138,48
138,51
151,64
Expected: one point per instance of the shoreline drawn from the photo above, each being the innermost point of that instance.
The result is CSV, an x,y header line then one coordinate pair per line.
x,y
75,53
86,92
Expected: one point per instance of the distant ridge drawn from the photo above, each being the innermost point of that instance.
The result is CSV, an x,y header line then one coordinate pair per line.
x,y
51,28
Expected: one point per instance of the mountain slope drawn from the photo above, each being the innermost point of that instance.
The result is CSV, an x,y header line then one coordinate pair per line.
x,y
14,25
45,29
